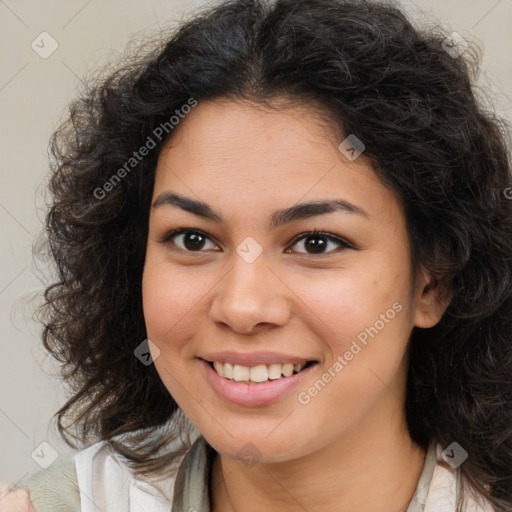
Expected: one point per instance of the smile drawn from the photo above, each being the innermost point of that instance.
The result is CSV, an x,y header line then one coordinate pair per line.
x,y
257,374
268,388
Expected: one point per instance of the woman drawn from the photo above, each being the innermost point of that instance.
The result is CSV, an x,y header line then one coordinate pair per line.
x,y
285,234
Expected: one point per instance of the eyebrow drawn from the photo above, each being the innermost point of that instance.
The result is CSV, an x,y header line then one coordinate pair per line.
x,y
278,218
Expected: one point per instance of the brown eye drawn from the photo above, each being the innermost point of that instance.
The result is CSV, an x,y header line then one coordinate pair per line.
x,y
193,241
187,240
317,242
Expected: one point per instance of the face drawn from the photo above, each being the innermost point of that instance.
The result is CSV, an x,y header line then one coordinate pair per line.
x,y
246,284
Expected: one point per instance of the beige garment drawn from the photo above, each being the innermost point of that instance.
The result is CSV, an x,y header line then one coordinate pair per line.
x,y
54,489
58,488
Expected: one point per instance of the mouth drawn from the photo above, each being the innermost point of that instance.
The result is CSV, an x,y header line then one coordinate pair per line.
x,y
260,373
260,385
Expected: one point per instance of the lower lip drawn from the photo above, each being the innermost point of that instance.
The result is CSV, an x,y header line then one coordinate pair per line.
x,y
254,395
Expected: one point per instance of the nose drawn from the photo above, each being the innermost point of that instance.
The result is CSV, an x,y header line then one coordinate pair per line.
x,y
250,297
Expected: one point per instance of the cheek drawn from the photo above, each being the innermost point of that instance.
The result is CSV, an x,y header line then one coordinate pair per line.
x,y
168,301
349,303
364,324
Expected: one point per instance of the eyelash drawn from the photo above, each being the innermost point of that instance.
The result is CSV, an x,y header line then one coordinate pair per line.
x,y
329,236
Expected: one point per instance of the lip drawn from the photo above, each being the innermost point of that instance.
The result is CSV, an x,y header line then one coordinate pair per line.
x,y
254,395
248,359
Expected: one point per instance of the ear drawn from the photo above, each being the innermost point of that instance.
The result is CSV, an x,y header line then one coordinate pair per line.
x,y
431,300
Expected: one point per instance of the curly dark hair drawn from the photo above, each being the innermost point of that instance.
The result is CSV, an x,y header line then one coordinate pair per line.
x,y
428,137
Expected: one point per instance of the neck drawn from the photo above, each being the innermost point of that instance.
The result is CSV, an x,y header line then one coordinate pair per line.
x,y
367,473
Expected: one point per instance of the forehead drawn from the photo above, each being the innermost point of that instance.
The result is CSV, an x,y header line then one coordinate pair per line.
x,y
261,157
214,127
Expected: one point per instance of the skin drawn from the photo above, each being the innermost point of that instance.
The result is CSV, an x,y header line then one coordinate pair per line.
x,y
338,451
15,501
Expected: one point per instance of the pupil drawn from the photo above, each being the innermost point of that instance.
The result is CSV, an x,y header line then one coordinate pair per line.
x,y
193,241
317,247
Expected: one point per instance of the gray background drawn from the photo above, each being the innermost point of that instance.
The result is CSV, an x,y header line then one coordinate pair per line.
x,y
34,93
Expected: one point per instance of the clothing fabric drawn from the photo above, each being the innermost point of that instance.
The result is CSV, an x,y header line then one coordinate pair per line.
x,y
96,480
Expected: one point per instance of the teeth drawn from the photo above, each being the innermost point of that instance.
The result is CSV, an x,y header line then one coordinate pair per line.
x,y
274,371
287,370
228,370
240,373
219,368
259,373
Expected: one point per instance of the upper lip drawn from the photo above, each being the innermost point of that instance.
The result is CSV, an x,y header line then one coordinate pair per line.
x,y
254,358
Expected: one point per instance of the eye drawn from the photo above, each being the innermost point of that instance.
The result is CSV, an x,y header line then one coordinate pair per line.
x,y
190,240
318,241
